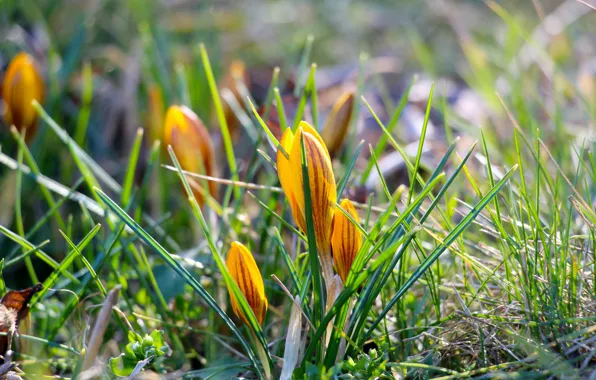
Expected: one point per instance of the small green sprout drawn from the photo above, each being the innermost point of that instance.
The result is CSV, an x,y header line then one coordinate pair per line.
x,y
139,353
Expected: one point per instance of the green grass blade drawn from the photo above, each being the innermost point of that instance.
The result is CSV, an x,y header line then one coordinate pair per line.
x,y
278,217
85,112
290,265
283,124
132,166
313,257
2,284
302,101
303,63
25,254
421,142
347,293
41,221
225,132
341,185
230,283
76,251
88,265
19,216
77,150
382,143
270,92
440,249
180,270
35,169
98,264
28,246
270,136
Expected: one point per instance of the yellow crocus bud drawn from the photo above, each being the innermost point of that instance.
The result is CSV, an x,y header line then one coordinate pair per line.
x,y
338,122
156,112
22,84
192,144
246,274
322,185
346,239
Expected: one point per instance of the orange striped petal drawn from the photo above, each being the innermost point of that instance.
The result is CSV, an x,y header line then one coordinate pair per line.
x,y
192,144
338,122
322,183
22,84
243,269
285,174
310,130
346,239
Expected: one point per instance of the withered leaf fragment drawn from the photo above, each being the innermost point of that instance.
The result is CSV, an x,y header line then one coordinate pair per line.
x,y
14,307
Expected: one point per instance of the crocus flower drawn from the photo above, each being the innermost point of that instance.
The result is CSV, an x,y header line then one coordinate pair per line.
x,y
22,84
191,143
338,122
346,239
322,186
246,274
156,112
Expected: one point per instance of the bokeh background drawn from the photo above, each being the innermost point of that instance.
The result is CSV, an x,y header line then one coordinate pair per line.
x,y
133,47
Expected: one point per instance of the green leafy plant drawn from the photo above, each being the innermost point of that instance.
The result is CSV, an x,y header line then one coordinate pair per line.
x,y
140,352
371,365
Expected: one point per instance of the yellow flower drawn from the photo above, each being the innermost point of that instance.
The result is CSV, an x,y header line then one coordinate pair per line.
x,y
346,239
338,122
191,143
22,84
156,112
246,274
322,182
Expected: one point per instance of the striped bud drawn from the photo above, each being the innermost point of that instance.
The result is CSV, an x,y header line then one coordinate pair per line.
x,y
192,144
246,274
22,84
338,122
322,182
346,239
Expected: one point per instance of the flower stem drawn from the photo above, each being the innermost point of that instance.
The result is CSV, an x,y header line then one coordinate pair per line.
x,y
262,357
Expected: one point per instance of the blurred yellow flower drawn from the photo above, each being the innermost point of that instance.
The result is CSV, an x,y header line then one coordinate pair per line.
x,y
338,122
246,274
22,84
346,239
156,112
192,144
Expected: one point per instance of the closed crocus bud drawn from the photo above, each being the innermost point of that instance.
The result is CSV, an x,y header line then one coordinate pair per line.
x,y
156,113
346,239
338,122
246,274
322,185
192,144
22,84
